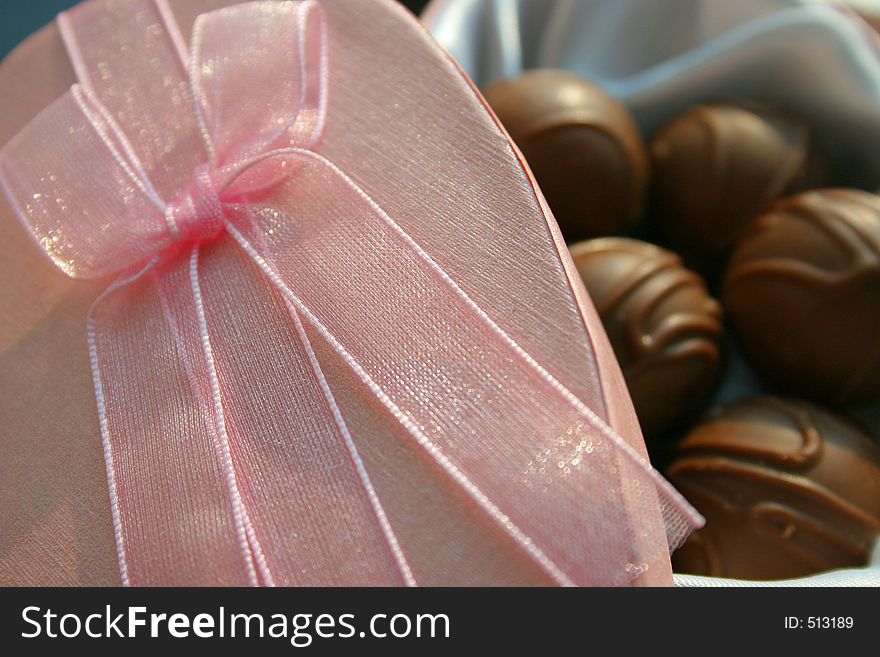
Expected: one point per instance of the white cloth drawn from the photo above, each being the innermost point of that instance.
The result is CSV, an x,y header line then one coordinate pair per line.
x,y
868,576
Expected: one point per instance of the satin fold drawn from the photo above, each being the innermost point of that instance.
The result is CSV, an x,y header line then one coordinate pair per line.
x,y
813,59
228,459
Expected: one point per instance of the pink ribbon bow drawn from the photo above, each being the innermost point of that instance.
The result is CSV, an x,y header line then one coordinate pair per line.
x,y
196,180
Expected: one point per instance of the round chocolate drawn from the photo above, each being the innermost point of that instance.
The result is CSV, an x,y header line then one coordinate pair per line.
x,y
787,489
802,290
715,168
664,327
582,145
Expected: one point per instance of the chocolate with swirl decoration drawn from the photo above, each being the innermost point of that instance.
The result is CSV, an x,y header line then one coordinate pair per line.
x,y
802,290
716,167
788,490
664,327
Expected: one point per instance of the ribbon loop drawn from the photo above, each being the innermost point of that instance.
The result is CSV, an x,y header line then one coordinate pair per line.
x,y
130,57
249,100
83,198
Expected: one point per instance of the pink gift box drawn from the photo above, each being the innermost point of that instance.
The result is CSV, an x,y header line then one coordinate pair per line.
x,y
411,145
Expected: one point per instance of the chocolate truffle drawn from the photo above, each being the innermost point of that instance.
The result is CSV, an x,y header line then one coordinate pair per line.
x,y
582,145
715,168
802,290
664,327
787,490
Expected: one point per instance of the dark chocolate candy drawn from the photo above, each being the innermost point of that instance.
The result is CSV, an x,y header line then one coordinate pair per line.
x,y
787,490
582,145
802,290
715,168
664,327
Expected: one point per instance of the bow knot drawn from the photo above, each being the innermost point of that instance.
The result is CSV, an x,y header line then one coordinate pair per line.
x,y
197,214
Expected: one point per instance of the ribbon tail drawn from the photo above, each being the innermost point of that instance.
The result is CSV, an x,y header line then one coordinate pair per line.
x,y
369,489
303,508
225,463
251,550
171,511
551,473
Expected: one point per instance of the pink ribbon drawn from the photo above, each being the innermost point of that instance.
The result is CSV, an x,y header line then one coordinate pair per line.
x,y
196,180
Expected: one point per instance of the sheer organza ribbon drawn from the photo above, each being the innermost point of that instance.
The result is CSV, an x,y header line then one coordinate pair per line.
x,y
195,179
